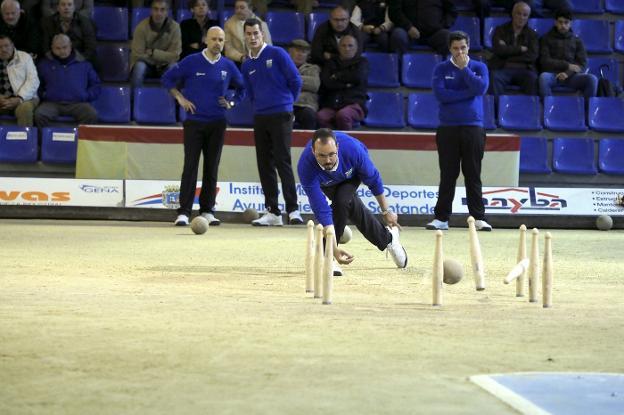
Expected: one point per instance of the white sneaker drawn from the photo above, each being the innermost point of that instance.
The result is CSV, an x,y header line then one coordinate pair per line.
x,y
337,270
212,221
268,219
482,225
396,250
181,220
294,218
437,225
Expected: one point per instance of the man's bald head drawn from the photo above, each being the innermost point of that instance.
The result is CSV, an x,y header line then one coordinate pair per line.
x,y
215,40
61,46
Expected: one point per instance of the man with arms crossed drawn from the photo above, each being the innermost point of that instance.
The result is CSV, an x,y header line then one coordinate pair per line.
x,y
206,77
273,83
333,165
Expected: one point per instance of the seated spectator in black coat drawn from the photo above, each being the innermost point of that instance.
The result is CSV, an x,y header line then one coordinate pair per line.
x,y
371,17
20,27
515,49
424,22
344,82
68,85
194,29
327,35
79,29
563,59
482,7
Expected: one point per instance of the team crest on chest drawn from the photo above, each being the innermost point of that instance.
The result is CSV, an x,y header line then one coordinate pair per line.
x,y
223,75
269,63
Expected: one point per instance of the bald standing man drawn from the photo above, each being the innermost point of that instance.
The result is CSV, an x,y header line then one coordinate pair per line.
x,y
205,78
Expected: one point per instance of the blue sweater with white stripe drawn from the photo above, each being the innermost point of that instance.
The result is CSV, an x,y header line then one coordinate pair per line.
x,y
353,161
204,82
272,81
460,92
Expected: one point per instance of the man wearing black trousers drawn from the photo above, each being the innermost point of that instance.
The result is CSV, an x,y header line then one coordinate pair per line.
x,y
459,84
206,77
273,83
332,166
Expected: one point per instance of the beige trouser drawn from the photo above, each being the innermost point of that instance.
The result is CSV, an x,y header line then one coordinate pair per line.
x,y
23,112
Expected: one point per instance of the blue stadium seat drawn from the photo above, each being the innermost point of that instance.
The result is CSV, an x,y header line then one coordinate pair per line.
x,y
614,6
619,36
611,155
422,111
417,69
314,20
534,155
153,105
285,26
489,25
58,145
587,6
598,65
18,144
564,113
115,62
471,26
489,116
541,26
594,33
574,156
385,110
519,112
241,115
383,69
113,104
111,23
606,114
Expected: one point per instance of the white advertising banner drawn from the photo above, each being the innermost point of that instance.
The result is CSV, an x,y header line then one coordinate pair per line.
x,y
238,196
61,192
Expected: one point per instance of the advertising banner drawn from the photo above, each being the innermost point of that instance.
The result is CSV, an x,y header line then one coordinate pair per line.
x,y
61,192
405,200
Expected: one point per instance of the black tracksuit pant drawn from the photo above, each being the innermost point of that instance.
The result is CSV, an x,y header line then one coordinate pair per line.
x,y
207,138
273,136
460,147
347,205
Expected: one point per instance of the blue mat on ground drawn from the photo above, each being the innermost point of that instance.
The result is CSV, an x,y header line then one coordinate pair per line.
x,y
558,393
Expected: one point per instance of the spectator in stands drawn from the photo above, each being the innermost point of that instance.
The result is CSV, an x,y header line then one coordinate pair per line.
x,y
194,30
205,79
459,84
328,34
79,29
563,59
82,7
20,27
235,46
515,49
68,85
306,106
344,82
156,44
273,83
371,17
425,22
18,83
482,7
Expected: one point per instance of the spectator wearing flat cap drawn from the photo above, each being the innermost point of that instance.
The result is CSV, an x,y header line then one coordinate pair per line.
x,y
306,106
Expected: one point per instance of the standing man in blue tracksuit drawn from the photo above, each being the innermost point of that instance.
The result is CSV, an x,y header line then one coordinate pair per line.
x,y
333,165
206,77
459,85
273,83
